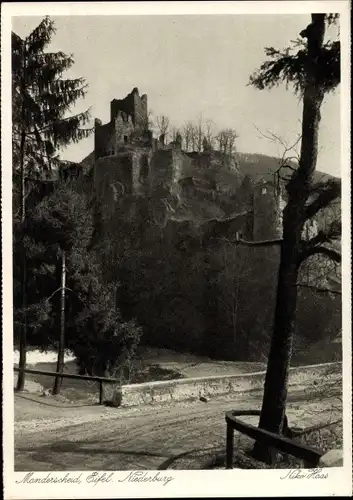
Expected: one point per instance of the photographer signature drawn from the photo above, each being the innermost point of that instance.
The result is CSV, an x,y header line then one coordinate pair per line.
x,y
305,474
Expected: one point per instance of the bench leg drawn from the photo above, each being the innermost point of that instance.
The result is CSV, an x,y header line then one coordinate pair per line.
x,y
229,447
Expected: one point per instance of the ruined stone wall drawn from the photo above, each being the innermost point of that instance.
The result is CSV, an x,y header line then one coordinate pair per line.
x,y
113,179
227,229
182,165
177,215
124,129
168,167
141,170
161,171
189,294
104,138
206,159
141,111
110,137
268,206
133,105
127,126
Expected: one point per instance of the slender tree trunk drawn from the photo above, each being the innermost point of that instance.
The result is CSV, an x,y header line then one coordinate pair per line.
x,y
23,259
275,390
61,348
23,273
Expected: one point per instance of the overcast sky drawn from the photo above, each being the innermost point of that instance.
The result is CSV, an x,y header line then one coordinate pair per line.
x,y
191,66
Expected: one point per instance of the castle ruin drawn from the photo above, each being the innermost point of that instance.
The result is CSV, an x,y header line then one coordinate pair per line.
x,y
128,160
189,286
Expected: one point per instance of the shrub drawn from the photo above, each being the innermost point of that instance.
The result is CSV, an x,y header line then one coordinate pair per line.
x,y
104,344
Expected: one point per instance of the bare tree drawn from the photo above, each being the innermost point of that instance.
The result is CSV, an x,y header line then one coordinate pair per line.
x,y
162,123
226,141
199,133
174,132
187,134
209,133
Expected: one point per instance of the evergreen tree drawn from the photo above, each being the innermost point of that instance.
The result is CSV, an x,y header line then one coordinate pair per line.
x,y
313,67
71,305
42,126
63,223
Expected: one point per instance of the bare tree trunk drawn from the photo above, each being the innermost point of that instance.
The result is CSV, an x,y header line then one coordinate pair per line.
x,y
61,348
275,391
23,274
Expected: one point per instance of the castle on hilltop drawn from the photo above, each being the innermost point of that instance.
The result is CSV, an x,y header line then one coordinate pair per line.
x,y
128,125
128,160
181,211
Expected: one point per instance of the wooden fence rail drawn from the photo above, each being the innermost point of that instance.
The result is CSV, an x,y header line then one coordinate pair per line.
x,y
308,455
100,380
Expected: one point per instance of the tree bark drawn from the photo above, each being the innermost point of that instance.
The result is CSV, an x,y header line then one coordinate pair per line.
x,y
275,390
61,348
23,273
23,260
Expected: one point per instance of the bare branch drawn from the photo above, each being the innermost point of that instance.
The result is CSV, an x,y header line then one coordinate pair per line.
x,y
271,136
327,192
328,273
314,245
284,161
163,124
58,290
333,232
329,252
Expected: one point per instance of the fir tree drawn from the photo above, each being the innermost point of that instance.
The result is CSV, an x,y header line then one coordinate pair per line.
x,y
42,126
312,66
71,305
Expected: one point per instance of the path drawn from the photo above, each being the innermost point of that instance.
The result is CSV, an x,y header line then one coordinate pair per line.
x,y
98,438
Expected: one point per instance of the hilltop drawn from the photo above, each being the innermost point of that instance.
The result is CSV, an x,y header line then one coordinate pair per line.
x,y
255,165
210,190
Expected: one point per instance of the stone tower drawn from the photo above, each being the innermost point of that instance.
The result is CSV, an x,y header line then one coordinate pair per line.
x,y
268,205
134,106
128,125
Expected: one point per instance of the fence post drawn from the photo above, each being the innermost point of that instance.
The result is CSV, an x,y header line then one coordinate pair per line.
x,y
101,392
229,447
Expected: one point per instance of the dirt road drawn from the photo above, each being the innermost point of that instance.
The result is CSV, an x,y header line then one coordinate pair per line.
x,y
151,438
